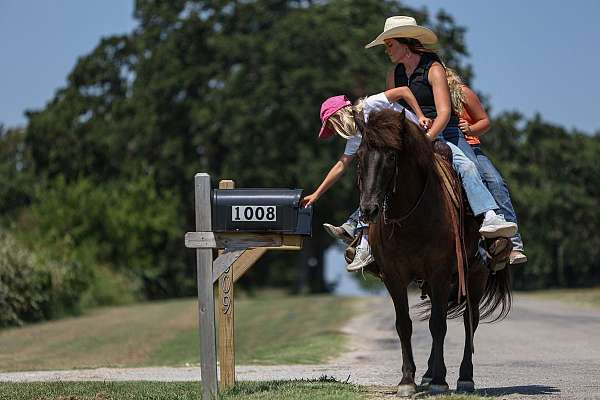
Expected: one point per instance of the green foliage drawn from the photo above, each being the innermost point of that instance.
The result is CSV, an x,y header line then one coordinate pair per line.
x,y
554,178
16,180
229,88
33,288
129,225
103,175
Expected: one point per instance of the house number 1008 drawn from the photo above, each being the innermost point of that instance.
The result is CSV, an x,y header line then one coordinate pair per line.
x,y
254,213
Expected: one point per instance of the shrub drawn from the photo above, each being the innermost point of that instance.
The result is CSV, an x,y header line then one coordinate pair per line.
x,y
127,232
33,288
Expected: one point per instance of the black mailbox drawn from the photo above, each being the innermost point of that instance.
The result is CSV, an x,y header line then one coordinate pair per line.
x,y
260,210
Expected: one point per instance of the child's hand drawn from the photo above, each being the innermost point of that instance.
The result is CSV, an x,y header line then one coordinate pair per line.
x,y
425,122
464,126
309,200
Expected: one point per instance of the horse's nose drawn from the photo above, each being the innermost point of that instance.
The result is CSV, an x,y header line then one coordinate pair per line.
x,y
369,212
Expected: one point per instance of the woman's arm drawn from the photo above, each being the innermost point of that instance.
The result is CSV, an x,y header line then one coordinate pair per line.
x,y
441,97
476,112
404,93
389,79
332,177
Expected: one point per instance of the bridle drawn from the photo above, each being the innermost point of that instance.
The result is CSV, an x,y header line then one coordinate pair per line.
x,y
359,121
399,220
394,181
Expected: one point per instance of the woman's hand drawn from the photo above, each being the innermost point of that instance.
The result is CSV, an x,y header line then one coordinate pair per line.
x,y
425,122
309,200
464,126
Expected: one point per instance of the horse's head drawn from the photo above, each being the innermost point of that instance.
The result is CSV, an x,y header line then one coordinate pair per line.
x,y
377,167
378,158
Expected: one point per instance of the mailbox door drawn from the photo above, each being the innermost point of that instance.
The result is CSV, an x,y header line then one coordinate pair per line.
x,y
256,210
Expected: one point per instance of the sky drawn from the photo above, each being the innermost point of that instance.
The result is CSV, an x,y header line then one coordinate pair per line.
x,y
531,56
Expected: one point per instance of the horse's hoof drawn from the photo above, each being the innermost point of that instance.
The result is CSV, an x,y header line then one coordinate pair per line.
x,y
435,389
425,381
407,390
465,386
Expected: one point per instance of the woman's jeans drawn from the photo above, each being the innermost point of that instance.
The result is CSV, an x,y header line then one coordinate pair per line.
x,y
490,176
493,180
354,223
479,196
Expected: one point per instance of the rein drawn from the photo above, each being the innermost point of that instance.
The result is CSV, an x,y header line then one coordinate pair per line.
x,y
398,221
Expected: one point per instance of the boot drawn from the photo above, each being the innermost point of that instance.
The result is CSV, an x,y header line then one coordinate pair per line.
x,y
337,232
517,257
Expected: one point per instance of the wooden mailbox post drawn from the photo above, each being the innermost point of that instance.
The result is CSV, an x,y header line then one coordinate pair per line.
x,y
238,251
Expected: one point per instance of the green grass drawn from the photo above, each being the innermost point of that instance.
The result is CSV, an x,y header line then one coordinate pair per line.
x,y
322,389
269,330
589,298
280,390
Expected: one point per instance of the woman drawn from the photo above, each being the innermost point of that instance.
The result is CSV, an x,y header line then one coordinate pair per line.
x,y
337,116
473,123
421,70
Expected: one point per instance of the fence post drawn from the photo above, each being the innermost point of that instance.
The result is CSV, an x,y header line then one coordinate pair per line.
x,y
206,301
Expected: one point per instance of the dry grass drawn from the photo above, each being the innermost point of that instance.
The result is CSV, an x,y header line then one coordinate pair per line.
x,y
588,298
269,330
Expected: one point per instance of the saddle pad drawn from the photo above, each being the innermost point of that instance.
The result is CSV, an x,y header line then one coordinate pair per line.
x,y
450,179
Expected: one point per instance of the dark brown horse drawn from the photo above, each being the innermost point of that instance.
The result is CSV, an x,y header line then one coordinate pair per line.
x,y
413,238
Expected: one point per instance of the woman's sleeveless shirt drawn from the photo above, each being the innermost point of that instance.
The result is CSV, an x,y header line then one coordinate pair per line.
x,y
472,140
419,85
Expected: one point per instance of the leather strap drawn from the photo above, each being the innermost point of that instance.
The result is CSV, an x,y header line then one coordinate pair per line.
x,y
453,201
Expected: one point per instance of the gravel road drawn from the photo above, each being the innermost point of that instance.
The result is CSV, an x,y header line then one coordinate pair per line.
x,y
543,350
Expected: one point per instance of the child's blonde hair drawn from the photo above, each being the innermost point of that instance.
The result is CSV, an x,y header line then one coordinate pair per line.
x,y
455,84
343,120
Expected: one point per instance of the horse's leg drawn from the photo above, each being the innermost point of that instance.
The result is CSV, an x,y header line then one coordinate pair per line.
x,y
440,287
476,282
465,380
426,379
406,387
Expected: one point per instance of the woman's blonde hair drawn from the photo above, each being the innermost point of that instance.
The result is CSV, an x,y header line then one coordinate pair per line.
x,y
343,120
455,84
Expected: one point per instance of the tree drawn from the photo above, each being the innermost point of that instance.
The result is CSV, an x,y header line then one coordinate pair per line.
x,y
554,184
227,87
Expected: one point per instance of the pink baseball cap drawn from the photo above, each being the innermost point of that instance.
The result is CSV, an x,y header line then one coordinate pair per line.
x,y
328,108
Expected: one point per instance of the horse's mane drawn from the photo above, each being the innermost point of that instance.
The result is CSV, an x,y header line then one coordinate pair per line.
x,y
389,129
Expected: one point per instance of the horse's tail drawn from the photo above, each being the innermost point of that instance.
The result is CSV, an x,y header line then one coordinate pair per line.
x,y
497,297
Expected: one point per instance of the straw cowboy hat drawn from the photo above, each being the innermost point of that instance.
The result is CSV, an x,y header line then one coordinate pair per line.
x,y
404,27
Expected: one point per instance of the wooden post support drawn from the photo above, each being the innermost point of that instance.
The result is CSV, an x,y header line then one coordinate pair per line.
x,y
246,261
226,320
206,301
